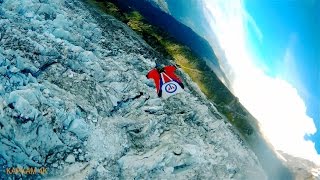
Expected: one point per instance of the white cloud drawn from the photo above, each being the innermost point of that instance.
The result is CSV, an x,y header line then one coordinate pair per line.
x,y
289,65
276,104
254,25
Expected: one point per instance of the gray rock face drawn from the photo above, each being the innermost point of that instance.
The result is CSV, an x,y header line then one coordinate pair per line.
x,y
162,4
74,99
301,168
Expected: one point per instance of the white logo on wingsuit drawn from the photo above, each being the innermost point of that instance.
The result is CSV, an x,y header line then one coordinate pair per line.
x,y
170,87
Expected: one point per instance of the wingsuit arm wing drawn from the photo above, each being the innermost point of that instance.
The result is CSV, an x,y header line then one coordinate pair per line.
x,y
153,74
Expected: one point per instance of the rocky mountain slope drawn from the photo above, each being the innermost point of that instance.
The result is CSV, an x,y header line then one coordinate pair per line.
x,y
301,168
74,99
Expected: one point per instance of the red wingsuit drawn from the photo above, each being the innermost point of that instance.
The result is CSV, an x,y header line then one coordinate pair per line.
x,y
168,70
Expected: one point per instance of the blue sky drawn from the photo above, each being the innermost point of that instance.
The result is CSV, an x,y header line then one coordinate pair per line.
x,y
290,31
